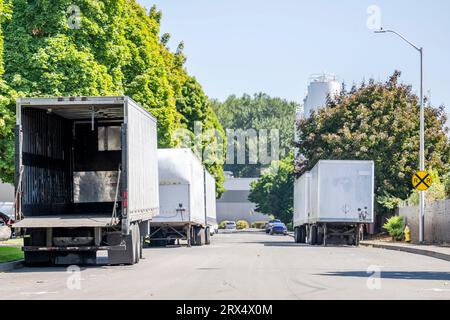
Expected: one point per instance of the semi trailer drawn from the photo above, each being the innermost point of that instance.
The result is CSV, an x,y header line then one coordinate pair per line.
x,y
332,201
86,178
187,200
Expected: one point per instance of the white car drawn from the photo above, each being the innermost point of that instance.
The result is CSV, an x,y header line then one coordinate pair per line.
x,y
230,225
214,229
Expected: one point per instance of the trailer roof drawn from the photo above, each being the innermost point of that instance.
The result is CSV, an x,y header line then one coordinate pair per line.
x,y
105,107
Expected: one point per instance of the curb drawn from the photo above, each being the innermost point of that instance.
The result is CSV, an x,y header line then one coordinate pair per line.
x,y
8,266
423,252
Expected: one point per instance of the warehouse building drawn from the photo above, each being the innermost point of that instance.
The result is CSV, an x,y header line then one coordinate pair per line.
x,y
234,204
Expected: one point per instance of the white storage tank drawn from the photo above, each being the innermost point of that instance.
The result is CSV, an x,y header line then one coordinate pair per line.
x,y
320,88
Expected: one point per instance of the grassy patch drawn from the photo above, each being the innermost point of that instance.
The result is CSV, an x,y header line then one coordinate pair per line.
x,y
8,254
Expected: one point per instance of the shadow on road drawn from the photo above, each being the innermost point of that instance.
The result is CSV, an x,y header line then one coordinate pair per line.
x,y
102,262
401,275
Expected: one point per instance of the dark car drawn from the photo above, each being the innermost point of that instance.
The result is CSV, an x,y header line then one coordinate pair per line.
x,y
278,228
270,224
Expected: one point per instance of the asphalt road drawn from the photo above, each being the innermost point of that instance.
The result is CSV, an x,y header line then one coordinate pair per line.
x,y
243,266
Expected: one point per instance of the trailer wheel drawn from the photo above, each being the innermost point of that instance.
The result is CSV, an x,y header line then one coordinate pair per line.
x,y
302,234
357,236
36,259
207,236
137,239
199,236
36,237
320,236
313,235
296,235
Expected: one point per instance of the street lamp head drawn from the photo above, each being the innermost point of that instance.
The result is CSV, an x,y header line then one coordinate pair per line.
x,y
380,31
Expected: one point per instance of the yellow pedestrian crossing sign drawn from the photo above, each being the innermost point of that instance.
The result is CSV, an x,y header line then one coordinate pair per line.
x,y
422,181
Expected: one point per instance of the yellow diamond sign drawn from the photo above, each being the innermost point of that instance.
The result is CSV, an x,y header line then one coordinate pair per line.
x,y
422,181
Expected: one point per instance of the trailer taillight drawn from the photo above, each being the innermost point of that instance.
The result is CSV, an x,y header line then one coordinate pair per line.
x,y
124,199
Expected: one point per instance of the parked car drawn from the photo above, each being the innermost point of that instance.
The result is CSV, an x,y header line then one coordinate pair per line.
x,y
5,231
214,229
230,225
271,223
278,228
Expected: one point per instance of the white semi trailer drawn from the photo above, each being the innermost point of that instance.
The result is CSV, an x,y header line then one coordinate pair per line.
x,y
332,201
86,178
187,200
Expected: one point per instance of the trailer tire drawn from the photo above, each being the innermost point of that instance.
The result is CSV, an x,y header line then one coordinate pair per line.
x,y
36,259
357,236
137,240
207,236
296,235
319,236
36,237
302,234
199,236
313,235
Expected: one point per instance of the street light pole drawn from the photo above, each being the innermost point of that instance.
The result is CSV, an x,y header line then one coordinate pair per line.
x,y
422,133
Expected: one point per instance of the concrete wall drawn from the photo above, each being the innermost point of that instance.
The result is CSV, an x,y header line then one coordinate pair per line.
x,y
437,221
234,204
6,192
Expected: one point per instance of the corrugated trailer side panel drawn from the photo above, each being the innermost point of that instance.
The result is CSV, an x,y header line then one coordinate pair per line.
x,y
142,166
314,195
197,190
302,199
210,198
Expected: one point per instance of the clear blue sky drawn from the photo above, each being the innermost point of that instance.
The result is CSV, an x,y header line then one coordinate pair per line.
x,y
248,46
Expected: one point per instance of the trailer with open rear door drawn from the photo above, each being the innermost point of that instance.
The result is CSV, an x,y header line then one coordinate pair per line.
x,y
86,178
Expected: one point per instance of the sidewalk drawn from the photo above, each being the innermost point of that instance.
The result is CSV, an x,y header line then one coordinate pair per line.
x,y
426,250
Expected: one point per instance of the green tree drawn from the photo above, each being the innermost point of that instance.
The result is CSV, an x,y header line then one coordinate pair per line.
x,y
115,49
257,112
446,182
380,122
6,110
273,192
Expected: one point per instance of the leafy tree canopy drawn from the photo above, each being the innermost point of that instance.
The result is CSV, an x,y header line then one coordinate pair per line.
x,y
257,112
273,192
380,122
114,49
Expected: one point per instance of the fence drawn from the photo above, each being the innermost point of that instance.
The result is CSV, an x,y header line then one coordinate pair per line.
x,y
437,222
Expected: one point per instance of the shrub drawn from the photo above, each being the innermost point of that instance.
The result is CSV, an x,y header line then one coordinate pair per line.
x,y
395,227
290,226
222,224
259,224
242,224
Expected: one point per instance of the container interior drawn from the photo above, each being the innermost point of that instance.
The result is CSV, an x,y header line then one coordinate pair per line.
x,y
71,158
